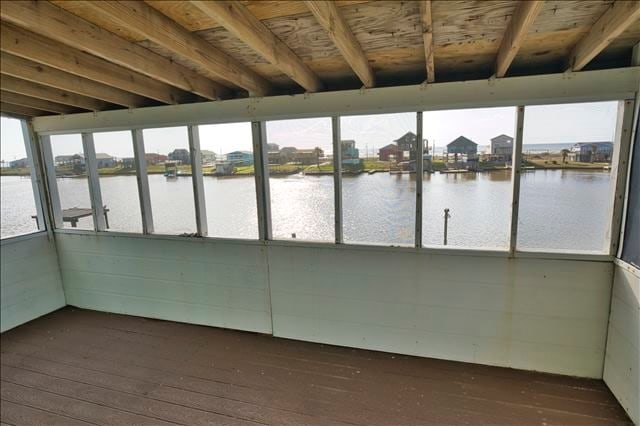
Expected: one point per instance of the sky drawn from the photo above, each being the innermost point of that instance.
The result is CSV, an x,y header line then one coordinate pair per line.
x,y
548,124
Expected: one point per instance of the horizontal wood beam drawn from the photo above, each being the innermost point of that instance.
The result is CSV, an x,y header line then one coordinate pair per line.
x,y
43,74
525,14
29,45
330,18
53,22
611,24
150,24
426,21
29,88
586,86
21,111
41,104
240,22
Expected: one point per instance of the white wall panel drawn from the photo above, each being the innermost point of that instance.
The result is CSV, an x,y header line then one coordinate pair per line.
x,y
30,283
622,359
194,281
546,315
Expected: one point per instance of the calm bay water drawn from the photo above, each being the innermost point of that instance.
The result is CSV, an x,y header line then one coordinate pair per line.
x,y
559,209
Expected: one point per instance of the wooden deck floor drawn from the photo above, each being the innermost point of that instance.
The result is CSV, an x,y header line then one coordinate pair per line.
x,y
83,367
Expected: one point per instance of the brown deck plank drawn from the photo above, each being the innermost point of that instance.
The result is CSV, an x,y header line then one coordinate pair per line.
x,y
16,414
195,375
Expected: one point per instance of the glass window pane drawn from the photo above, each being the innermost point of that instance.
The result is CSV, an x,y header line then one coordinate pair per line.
x,y
468,177
378,186
72,181
169,168
229,181
566,192
301,179
118,182
17,198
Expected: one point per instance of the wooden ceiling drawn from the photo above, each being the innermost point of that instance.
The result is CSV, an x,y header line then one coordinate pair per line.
x,y
62,56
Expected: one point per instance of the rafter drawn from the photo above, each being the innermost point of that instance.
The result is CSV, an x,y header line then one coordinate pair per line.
x,y
43,74
330,18
34,47
240,22
28,88
522,19
28,101
21,111
51,21
427,36
160,29
618,18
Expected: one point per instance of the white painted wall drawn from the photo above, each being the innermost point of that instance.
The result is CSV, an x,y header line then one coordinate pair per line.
x,y
30,284
190,280
545,315
622,360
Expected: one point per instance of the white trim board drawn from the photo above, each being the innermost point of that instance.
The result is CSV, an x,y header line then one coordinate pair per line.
x,y
585,86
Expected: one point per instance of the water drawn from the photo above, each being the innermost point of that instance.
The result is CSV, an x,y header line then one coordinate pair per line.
x,y
559,209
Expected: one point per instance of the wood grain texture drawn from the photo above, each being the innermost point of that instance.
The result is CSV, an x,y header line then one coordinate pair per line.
x,y
330,18
238,20
28,101
96,367
611,24
28,45
53,22
522,19
21,110
42,74
29,88
427,37
156,27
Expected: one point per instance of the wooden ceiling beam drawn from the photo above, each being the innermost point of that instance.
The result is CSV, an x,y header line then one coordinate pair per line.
x,y
611,24
43,74
28,101
46,19
150,24
34,90
330,18
21,111
34,47
427,36
235,17
523,17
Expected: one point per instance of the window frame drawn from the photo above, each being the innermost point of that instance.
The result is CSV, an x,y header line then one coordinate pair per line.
x,y
609,85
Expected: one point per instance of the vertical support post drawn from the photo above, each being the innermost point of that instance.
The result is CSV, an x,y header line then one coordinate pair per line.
x,y
198,180
516,170
620,168
91,165
261,171
52,184
143,181
337,178
31,148
419,177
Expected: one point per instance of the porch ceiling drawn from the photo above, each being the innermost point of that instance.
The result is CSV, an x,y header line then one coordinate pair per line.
x,y
73,56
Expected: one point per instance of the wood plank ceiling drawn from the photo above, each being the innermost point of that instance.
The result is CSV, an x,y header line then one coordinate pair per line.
x,y
63,56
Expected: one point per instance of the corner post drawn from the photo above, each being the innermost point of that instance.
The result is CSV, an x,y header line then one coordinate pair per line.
x,y
198,181
142,180
31,148
337,178
52,184
91,164
261,172
516,160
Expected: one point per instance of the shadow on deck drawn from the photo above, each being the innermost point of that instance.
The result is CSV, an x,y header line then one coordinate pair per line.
x,y
77,367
